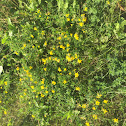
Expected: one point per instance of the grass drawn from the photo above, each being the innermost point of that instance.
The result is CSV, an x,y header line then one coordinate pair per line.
x,y
63,63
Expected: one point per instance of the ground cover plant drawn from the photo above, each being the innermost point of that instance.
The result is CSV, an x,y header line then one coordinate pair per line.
x,y
62,62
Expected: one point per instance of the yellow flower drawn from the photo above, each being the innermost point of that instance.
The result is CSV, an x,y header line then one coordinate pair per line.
x,y
72,58
45,69
6,92
68,19
33,46
85,9
24,45
42,95
53,91
79,61
84,106
38,11
59,38
75,55
65,69
17,68
95,116
108,2
97,102
84,19
50,58
32,87
81,24
104,110
36,96
16,53
48,13
82,15
76,36
76,74
5,112
5,82
71,24
43,33
39,15
77,89
87,123
68,58
83,31
44,61
35,82
61,46
115,120
34,91
67,15
68,45
25,90
64,81
79,19
46,92
69,73
93,108
68,49
105,101
98,95
45,44
33,116
53,82
58,60
30,67
42,87
65,36
31,79
35,28
24,93
0,101
32,36
42,82
59,69
51,52
4,57
71,34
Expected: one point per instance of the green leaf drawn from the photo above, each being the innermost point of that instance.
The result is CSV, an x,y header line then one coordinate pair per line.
x,y
117,26
4,38
39,1
9,21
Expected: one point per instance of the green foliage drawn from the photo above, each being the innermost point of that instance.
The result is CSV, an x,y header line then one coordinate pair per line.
x,y
63,63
